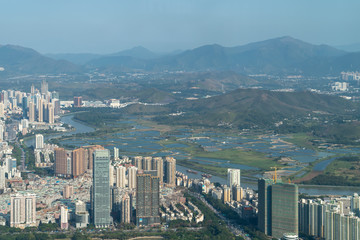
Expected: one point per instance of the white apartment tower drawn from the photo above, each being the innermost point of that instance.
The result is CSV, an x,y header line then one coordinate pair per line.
x,y
120,176
23,210
233,177
39,141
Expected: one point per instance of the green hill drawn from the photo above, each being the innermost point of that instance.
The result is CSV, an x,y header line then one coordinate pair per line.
x,y
246,108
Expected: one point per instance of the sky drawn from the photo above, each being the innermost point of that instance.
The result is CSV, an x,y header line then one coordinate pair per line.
x,y
107,26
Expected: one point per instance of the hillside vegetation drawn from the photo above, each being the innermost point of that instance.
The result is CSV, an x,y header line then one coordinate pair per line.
x,y
245,108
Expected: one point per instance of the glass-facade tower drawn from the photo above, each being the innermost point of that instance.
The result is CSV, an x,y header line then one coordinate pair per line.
x,y
101,189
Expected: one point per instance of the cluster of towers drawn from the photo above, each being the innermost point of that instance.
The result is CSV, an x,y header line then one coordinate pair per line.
x,y
74,163
41,106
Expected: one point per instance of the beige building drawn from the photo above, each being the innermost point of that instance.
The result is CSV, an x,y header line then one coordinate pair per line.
x,y
132,171
158,165
120,173
226,196
170,171
23,210
78,162
125,209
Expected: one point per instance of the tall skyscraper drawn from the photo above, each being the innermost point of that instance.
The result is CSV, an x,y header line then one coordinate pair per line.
x,y
125,209
32,90
284,209
226,194
120,172
2,130
44,87
61,163
77,101
101,189
31,112
64,222
278,208
233,177
89,156
147,198
158,165
170,171
264,213
50,113
39,141
78,162
147,163
41,110
116,153
2,110
23,210
2,179
138,162
132,172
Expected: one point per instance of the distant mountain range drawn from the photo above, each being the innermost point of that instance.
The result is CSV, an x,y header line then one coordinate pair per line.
x,y
246,108
283,55
20,60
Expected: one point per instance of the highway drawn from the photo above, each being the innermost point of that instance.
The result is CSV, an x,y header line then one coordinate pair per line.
x,y
234,228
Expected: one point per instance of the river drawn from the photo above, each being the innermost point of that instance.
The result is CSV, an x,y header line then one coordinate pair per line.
x,y
307,189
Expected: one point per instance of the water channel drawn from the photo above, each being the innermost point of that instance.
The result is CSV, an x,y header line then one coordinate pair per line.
x,y
144,142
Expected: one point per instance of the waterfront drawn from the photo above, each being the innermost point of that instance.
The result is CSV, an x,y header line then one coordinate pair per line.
x,y
134,142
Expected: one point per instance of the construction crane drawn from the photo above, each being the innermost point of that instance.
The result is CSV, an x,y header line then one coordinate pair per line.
x,y
275,175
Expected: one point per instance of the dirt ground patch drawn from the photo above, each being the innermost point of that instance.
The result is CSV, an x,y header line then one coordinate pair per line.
x,y
308,177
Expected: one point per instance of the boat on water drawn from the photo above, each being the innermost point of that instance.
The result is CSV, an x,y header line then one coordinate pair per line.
x,y
191,171
206,175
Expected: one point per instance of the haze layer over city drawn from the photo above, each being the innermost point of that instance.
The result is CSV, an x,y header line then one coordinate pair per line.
x,y
179,120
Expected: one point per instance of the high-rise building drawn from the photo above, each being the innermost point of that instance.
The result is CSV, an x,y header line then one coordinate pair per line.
x,y
68,191
57,108
237,193
31,112
77,101
132,172
116,153
81,215
41,110
284,209
2,179
61,163
2,131
101,189
138,162
264,212
44,87
233,177
39,141
120,172
125,209
147,163
170,171
64,222
111,175
23,210
158,165
32,90
147,198
50,113
89,156
226,196
278,208
2,110
78,162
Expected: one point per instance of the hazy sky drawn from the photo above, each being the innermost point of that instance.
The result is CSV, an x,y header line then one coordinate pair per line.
x,y
105,26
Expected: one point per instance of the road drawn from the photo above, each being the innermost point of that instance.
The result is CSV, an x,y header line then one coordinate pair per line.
x,y
234,228
23,167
